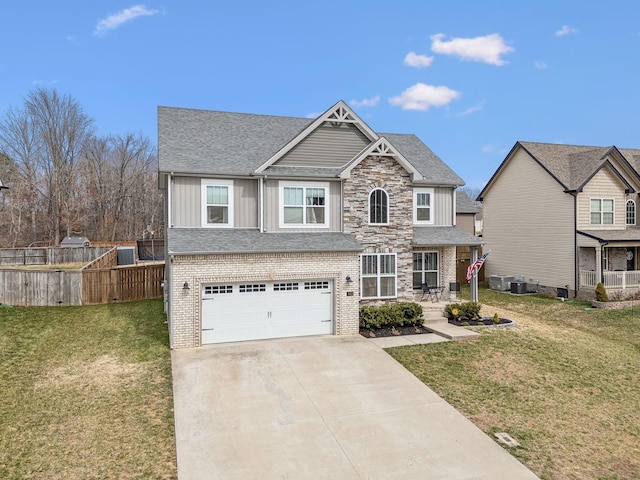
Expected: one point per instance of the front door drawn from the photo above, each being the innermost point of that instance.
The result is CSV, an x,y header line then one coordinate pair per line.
x,y
631,258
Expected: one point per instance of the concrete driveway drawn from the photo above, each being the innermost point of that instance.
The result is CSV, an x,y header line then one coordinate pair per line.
x,y
320,408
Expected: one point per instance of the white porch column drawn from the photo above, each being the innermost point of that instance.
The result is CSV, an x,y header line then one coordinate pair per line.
x,y
598,264
474,279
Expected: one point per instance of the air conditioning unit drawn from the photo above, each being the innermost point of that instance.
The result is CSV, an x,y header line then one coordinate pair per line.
x,y
519,288
500,282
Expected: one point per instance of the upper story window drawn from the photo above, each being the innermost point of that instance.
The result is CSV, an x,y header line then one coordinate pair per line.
x,y
631,212
303,205
217,203
423,205
379,206
601,211
378,275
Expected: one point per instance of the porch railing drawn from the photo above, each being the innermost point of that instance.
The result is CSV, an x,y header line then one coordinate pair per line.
x,y
619,279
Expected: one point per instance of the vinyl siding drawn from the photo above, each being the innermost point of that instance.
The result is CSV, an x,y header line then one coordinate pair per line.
x,y
187,200
330,145
528,225
466,222
443,207
604,184
272,208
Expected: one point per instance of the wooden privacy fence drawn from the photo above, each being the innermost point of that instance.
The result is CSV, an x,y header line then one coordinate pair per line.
x,y
122,284
40,288
50,255
101,281
463,260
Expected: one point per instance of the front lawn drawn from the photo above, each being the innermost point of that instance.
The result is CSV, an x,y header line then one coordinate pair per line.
x,y
86,393
565,384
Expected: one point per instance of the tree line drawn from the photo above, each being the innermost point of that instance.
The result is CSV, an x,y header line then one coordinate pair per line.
x,y
64,180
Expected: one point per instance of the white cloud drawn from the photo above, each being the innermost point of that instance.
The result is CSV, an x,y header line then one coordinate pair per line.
x,y
422,97
566,30
366,102
313,114
114,21
540,65
416,60
488,149
474,109
487,49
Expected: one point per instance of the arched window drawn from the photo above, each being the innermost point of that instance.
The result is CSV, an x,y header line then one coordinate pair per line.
x,y
631,212
378,206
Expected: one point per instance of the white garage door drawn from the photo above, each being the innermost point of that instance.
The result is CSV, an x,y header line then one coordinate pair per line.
x,y
252,311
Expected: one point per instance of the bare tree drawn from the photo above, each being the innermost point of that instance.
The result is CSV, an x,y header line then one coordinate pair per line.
x,y
62,129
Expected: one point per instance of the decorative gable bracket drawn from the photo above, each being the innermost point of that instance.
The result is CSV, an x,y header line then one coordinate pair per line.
x,y
381,148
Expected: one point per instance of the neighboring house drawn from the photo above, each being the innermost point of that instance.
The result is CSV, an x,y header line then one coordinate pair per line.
x,y
466,218
280,226
564,216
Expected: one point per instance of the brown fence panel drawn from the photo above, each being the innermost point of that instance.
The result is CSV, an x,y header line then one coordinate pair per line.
x,y
463,260
40,287
122,284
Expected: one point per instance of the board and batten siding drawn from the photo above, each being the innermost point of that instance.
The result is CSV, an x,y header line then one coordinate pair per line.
x,y
330,145
528,225
272,207
187,202
443,207
604,184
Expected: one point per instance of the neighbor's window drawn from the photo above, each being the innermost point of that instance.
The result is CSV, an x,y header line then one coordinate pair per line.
x,y
601,211
423,205
425,269
631,212
378,206
304,205
217,201
378,275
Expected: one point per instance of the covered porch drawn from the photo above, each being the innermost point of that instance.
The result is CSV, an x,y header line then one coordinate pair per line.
x,y
610,257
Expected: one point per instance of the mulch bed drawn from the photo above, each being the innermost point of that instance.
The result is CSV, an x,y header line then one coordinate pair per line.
x,y
387,332
486,321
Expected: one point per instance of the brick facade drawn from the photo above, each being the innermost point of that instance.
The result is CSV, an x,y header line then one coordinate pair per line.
x,y
199,270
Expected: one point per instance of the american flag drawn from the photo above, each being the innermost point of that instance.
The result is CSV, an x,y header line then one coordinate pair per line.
x,y
475,266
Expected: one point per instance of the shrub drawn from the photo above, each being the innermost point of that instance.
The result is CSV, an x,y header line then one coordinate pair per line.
x,y
468,310
391,315
496,318
601,293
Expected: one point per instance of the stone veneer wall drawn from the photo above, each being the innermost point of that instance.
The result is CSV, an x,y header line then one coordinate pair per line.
x,y
387,173
198,270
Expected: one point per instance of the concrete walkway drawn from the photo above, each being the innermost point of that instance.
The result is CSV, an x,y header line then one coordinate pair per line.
x,y
330,407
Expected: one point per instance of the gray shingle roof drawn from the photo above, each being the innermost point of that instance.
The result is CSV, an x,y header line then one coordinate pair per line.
x,y
443,236
227,143
630,234
573,165
213,240
464,204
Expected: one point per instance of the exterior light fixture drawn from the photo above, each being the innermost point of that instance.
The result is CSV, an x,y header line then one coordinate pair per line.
x,y
186,286
349,279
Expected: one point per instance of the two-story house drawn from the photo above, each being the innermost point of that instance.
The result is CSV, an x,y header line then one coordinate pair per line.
x,y
281,226
564,217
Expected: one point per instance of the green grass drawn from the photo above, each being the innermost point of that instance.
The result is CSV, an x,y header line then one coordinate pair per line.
x,y
565,383
86,393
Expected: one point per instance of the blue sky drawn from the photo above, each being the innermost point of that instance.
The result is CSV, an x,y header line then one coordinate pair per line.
x,y
470,78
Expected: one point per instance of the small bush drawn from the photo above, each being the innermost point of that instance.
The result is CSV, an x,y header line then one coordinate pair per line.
x,y
468,310
601,293
391,315
496,318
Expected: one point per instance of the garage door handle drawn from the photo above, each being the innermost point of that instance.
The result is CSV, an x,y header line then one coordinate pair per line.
x,y
323,321
325,293
207,329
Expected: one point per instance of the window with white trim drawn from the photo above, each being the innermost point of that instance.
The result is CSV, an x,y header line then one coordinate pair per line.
x,y
378,275
217,203
303,205
378,207
601,211
631,212
423,205
425,269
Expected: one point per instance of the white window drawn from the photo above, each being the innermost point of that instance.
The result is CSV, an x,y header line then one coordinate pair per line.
x,y
631,212
601,211
423,205
425,269
217,203
378,275
379,207
304,205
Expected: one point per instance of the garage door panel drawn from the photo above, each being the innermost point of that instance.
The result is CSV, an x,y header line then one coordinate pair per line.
x,y
273,310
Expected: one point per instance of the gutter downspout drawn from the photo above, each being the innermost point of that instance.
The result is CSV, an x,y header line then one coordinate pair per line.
x,y
576,258
261,204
